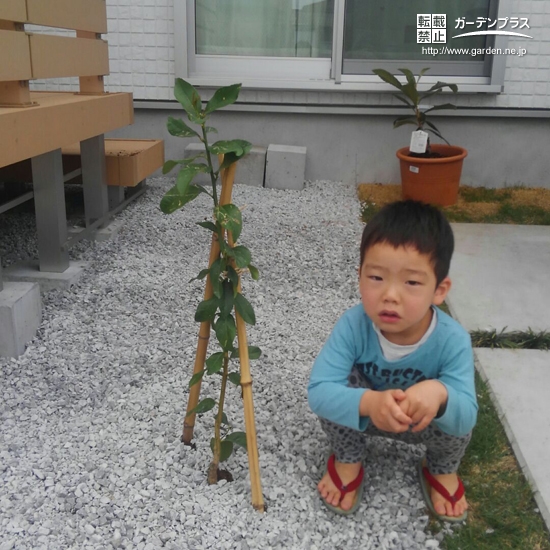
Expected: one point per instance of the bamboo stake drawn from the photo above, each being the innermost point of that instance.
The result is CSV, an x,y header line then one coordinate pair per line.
x,y
246,385
250,425
246,380
200,356
228,177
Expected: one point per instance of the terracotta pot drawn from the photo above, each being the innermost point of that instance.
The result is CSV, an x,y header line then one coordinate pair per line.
x,y
432,180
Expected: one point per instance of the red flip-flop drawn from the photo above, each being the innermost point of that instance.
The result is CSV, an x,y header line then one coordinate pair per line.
x,y
356,484
427,480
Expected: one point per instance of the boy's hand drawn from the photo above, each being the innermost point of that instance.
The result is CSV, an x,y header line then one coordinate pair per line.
x,y
384,411
423,401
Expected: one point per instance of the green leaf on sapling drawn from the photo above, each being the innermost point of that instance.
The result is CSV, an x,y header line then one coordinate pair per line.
x,y
209,225
235,378
187,173
196,378
169,165
238,146
238,438
216,270
178,128
234,278
206,310
254,273
230,217
227,298
174,199
244,309
223,97
189,99
226,448
242,256
229,159
254,352
225,420
202,274
214,363
204,406
226,331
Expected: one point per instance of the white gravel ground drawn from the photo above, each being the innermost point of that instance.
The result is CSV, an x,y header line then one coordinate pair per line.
x,y
91,414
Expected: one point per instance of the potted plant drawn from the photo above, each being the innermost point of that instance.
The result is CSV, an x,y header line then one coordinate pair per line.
x,y
431,172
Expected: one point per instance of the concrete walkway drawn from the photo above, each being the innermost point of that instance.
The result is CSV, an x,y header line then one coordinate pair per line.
x,y
500,277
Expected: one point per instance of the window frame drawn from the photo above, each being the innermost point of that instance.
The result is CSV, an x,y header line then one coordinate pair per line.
x,y
307,74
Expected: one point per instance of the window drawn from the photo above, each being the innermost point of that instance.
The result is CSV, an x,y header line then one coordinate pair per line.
x,y
378,31
268,28
260,39
318,44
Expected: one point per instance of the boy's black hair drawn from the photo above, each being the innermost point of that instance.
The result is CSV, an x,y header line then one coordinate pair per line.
x,y
416,224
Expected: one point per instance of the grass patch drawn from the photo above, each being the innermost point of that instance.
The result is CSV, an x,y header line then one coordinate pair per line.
x,y
484,194
503,514
511,205
510,340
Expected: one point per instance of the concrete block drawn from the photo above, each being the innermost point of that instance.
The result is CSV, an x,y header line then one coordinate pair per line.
x,y
48,280
110,232
102,234
285,167
250,169
20,316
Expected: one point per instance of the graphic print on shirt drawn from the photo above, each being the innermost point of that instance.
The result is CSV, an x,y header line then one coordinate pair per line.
x,y
377,378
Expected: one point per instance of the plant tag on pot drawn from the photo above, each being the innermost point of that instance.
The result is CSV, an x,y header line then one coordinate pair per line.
x,y
419,142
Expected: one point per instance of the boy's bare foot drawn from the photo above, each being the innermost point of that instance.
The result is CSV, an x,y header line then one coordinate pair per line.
x,y
327,489
441,505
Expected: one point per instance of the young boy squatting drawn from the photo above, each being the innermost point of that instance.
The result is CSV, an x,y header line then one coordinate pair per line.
x,y
395,366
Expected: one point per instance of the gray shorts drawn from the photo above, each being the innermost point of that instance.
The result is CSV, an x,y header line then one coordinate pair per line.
x,y
444,451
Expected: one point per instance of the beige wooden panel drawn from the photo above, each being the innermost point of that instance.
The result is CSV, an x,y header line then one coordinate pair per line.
x,y
59,56
13,10
59,120
82,15
15,60
128,161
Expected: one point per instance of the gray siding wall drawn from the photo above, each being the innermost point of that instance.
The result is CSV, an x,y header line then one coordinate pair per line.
x,y
502,151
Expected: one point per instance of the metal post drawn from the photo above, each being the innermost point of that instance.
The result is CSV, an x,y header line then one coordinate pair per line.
x,y
1,284
116,195
94,178
49,206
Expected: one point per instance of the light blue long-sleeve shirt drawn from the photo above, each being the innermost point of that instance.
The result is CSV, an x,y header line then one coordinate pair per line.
x,y
446,356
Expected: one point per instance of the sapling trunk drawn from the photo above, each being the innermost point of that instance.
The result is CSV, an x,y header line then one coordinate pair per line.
x,y
213,177
213,468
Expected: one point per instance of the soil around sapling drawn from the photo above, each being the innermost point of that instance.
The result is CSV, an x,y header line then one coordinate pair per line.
x,y
224,474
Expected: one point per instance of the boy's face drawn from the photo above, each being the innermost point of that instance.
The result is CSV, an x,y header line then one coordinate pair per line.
x,y
398,286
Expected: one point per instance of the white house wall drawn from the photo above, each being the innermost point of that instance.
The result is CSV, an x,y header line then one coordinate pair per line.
x,y
348,135
142,52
